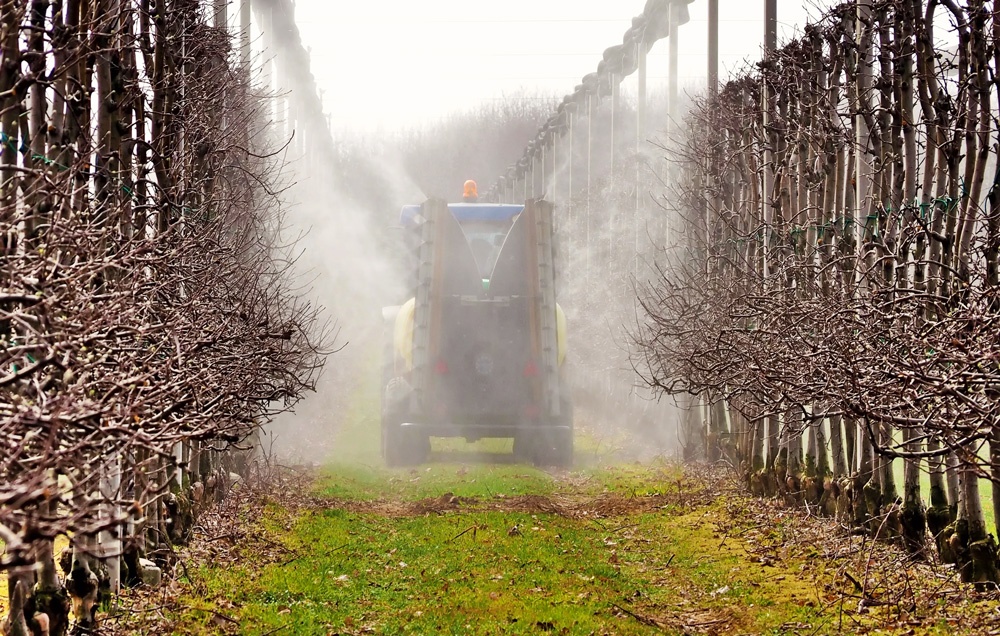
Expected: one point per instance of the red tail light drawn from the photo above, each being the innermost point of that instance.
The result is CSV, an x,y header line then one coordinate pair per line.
x,y
531,369
441,368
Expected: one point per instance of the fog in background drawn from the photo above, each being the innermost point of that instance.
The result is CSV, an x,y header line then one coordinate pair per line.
x,y
420,97
393,63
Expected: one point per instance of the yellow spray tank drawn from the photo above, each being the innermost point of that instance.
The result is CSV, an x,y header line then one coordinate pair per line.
x,y
403,336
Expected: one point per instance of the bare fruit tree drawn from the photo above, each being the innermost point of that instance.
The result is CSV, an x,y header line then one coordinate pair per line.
x,y
846,316
148,322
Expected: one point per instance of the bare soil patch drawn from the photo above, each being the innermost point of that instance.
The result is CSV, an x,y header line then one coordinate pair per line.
x,y
568,506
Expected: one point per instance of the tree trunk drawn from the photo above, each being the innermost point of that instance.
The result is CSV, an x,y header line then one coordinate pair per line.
x,y
850,443
954,492
11,109
939,515
977,551
756,431
837,446
888,476
913,518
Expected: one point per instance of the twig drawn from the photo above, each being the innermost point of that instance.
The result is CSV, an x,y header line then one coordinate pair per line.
x,y
645,620
631,525
224,617
472,527
853,580
325,554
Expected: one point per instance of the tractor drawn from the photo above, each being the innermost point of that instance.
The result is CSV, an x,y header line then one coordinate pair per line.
x,y
478,349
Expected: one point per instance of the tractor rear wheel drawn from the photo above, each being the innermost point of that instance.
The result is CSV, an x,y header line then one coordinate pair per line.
x,y
554,445
403,445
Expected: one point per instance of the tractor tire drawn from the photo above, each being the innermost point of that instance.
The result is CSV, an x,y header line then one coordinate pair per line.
x,y
401,445
524,448
553,446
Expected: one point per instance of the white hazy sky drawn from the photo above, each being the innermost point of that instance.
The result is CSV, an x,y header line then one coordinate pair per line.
x,y
386,64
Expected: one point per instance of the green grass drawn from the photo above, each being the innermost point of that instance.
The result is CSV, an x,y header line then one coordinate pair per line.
x,y
359,561
353,482
466,572
414,574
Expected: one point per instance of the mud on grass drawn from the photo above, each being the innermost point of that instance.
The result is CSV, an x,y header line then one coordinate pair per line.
x,y
621,550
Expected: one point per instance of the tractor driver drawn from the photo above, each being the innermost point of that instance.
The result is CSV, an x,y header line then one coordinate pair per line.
x,y
469,194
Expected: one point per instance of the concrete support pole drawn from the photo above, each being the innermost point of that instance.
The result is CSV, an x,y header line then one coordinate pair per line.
x,y
713,47
640,140
267,58
283,113
769,105
298,138
863,167
612,213
540,159
554,182
672,106
570,219
221,20
640,107
245,34
615,104
545,178
570,162
534,174
590,161
550,160
770,25
297,131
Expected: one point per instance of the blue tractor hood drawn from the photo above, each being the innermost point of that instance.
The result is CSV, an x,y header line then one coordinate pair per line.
x,y
466,212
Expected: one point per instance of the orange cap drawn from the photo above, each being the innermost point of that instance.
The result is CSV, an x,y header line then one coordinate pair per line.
x,y
470,189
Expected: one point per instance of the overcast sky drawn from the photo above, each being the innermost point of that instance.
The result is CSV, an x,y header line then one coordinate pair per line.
x,y
386,64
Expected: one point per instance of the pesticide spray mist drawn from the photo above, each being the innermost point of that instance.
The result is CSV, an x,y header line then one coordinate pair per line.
x,y
339,246
340,209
